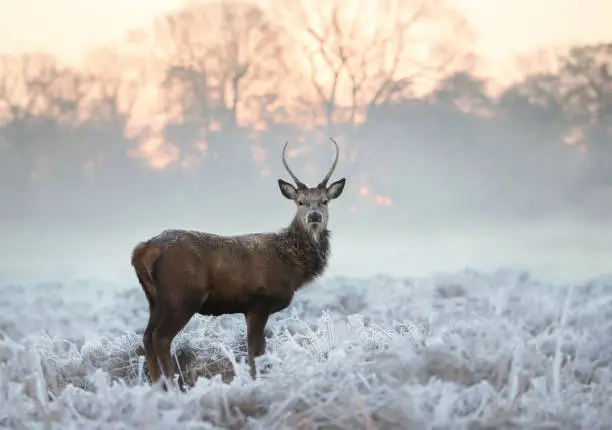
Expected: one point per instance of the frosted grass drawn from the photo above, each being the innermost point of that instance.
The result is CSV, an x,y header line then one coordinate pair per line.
x,y
463,350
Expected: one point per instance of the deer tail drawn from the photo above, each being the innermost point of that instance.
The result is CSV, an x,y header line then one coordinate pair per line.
x,y
144,257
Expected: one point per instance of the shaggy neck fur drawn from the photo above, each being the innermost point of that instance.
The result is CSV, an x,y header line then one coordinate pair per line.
x,y
306,253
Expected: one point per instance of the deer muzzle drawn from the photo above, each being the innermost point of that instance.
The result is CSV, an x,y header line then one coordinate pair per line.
x,y
314,218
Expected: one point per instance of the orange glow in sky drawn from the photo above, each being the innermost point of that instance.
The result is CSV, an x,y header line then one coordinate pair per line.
x,y
505,28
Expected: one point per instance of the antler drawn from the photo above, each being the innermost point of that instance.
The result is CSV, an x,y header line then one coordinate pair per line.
x,y
299,183
333,167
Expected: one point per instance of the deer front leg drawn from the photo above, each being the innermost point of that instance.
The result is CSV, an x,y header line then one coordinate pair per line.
x,y
256,341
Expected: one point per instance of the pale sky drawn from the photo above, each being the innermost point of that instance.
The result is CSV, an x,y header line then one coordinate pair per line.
x,y
505,27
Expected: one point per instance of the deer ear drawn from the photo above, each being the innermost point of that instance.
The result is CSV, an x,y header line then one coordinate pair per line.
x,y
335,189
287,190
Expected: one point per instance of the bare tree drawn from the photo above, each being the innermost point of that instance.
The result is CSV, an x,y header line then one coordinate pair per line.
x,y
220,58
536,101
24,84
569,89
24,80
585,82
117,79
464,92
66,98
359,53
586,77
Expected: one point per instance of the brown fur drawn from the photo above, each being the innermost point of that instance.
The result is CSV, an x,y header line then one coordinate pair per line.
x,y
187,272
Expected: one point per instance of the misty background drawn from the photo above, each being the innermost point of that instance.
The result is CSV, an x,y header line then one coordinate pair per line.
x,y
181,125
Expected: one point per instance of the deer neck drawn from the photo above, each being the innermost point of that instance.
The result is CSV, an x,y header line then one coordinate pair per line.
x,y
308,253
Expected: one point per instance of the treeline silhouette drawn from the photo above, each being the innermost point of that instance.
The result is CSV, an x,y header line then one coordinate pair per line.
x,y
421,137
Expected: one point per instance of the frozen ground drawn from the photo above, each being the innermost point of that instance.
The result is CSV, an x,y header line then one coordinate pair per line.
x,y
465,350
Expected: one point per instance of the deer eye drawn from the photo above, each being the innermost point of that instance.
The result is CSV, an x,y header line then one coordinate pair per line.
x,y
324,202
300,202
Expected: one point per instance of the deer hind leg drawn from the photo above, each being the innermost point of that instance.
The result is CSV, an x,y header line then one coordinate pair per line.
x,y
171,322
147,339
150,353
256,340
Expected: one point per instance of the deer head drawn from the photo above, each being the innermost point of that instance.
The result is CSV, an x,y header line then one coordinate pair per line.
x,y
312,203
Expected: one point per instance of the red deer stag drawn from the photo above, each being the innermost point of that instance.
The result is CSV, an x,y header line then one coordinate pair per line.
x,y
187,272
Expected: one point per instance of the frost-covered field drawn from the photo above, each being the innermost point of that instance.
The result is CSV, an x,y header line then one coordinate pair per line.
x,y
464,350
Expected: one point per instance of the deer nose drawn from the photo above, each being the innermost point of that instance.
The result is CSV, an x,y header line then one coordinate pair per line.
x,y
314,217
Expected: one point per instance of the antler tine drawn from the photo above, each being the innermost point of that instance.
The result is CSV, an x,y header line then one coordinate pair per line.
x,y
299,183
333,167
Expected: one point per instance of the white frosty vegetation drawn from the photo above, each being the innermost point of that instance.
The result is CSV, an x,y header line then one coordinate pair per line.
x,y
454,351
